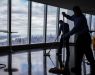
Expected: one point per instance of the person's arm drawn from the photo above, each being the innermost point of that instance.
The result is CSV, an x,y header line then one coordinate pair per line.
x,y
67,16
77,29
73,31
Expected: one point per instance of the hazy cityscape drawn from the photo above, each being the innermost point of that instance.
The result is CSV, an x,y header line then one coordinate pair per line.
x,y
17,40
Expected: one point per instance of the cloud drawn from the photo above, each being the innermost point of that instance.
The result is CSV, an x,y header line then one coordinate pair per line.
x,y
37,9
3,2
20,15
3,14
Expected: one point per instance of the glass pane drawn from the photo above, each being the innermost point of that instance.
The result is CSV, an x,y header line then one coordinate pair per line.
x,y
19,22
88,17
51,35
51,24
37,63
19,61
37,22
71,25
93,34
61,16
3,23
93,23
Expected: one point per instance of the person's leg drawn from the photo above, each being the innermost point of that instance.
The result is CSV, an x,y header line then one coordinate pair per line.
x,y
89,54
60,59
90,58
67,53
78,56
59,54
66,69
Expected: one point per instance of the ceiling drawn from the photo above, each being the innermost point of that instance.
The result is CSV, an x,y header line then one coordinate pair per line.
x,y
87,6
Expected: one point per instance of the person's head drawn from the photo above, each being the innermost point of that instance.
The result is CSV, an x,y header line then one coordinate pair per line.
x,y
77,10
61,22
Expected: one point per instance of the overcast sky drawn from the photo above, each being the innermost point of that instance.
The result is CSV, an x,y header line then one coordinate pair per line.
x,y
20,17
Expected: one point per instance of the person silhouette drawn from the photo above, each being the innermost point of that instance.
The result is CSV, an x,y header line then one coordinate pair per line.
x,y
83,39
63,28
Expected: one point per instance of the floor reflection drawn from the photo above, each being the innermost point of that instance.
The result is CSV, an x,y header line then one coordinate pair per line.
x,y
20,62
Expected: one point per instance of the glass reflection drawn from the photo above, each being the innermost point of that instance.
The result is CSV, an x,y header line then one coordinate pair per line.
x,y
19,61
37,63
51,61
3,60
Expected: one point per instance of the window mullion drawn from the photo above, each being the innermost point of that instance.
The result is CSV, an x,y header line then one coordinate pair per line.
x,y
45,36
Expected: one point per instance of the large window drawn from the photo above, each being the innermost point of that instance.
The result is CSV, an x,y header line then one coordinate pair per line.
x,y
51,23
51,35
89,18
61,16
20,34
3,23
93,23
37,22
71,25
19,22
93,29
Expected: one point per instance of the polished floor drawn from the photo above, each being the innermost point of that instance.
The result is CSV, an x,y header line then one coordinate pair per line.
x,y
20,62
